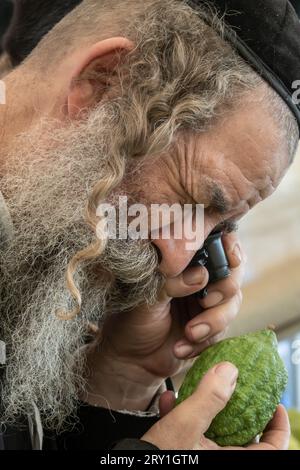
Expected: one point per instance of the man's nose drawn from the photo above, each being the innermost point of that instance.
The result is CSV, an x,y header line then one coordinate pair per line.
x,y
175,256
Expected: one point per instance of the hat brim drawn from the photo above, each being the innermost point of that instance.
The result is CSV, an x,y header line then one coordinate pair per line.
x,y
264,71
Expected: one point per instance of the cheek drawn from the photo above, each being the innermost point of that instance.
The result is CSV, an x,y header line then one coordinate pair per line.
x,y
210,223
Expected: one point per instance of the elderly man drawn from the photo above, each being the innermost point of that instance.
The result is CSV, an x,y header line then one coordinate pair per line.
x,y
160,102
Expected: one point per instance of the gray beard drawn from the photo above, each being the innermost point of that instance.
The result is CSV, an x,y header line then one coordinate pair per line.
x,y
46,185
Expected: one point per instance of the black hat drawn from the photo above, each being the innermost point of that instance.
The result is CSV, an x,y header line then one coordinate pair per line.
x,y
5,16
31,21
266,33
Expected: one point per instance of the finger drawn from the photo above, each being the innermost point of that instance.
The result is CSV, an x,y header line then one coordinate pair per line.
x,y
233,249
166,403
203,328
213,321
198,348
190,281
221,291
277,433
211,396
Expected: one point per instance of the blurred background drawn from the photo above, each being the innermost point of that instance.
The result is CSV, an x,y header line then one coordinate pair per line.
x,y
270,233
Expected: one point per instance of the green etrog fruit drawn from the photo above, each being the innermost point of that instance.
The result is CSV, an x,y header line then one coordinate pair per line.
x,y
261,382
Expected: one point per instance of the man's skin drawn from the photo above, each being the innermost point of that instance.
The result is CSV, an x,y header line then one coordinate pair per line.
x,y
245,159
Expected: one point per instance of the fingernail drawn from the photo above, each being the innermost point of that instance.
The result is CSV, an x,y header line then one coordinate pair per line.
x,y
193,276
227,371
237,252
200,331
183,350
213,298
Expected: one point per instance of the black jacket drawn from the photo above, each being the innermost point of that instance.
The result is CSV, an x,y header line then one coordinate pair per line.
x,y
95,429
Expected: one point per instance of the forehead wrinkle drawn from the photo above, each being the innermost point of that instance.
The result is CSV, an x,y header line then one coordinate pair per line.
x,y
218,200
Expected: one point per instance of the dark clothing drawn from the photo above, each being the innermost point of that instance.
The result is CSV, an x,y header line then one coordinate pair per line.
x,y
96,429
100,428
6,9
15,439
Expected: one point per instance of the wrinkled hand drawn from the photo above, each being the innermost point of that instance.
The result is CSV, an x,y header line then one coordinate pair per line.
x,y
149,344
183,427
159,336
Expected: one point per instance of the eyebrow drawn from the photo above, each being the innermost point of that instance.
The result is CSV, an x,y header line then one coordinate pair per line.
x,y
218,200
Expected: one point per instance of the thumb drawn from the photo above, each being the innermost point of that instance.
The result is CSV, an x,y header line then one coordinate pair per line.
x,y
211,396
183,427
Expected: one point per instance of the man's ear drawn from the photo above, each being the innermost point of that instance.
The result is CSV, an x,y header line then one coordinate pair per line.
x,y
94,73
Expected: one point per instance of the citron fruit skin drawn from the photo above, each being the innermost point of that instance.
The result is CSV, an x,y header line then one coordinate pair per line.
x,y
261,382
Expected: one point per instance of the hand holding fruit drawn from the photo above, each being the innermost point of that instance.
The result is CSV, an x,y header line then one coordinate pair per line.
x,y
185,426
139,349
261,383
